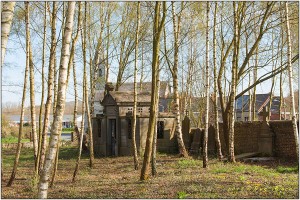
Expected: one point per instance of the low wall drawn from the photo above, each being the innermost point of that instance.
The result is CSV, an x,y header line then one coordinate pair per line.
x,y
284,144
246,138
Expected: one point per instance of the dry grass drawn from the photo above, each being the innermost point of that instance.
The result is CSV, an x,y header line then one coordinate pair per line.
x,y
177,178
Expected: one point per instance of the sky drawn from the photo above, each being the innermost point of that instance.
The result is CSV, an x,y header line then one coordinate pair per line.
x,y
13,77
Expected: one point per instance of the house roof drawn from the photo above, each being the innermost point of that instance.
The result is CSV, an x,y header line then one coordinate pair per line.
x,y
119,97
261,101
129,87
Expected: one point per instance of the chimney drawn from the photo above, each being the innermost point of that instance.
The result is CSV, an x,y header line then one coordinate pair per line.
x,y
109,87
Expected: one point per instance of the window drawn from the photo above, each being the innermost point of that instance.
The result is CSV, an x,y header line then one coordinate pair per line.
x,y
160,129
99,121
246,119
129,129
140,109
100,72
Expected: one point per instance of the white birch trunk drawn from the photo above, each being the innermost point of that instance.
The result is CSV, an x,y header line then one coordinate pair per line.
x,y
56,126
6,20
290,72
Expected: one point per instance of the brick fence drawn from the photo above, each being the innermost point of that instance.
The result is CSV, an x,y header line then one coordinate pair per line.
x,y
246,138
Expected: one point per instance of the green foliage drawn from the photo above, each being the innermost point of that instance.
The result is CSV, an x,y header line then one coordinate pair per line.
x,y
182,195
67,129
282,169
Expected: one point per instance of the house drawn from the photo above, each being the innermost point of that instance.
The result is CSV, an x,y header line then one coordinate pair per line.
x,y
67,121
262,100
112,130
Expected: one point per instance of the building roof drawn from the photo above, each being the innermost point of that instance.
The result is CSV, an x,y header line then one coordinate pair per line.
x,y
121,97
164,91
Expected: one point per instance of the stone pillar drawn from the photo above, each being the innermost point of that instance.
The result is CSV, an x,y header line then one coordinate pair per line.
x,y
265,136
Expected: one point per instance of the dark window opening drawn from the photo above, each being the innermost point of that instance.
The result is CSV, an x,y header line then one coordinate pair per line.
x,y
160,129
100,73
246,119
129,129
99,121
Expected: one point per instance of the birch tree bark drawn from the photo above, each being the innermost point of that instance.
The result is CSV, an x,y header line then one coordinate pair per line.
x,y
231,156
7,14
86,89
157,29
50,86
81,136
31,83
174,72
290,72
135,154
18,151
43,83
205,141
216,111
56,127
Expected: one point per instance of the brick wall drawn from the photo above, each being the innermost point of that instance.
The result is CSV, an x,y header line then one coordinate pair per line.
x,y
284,143
246,137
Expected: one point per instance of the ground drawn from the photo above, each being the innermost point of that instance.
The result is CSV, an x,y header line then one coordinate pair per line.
x,y
177,178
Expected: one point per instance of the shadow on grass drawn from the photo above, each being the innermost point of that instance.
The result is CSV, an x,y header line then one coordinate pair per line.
x,y
68,153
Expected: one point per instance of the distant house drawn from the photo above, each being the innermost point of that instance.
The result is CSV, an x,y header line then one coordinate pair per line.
x,y
66,122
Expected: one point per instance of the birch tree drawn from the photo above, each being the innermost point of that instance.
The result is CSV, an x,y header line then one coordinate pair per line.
x,y
216,111
174,72
7,14
157,29
56,126
290,72
18,151
135,154
50,86
205,140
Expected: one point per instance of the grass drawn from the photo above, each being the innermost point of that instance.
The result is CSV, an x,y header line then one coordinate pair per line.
x,y
180,178
12,139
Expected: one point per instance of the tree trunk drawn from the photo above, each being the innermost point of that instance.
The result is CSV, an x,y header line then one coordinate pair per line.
x,y
6,20
205,140
231,156
18,151
135,154
31,83
174,71
216,111
154,144
157,29
43,85
56,127
50,85
290,71
86,90
81,136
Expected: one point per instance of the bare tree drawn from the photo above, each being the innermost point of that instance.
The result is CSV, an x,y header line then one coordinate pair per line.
x,y
157,29
56,127
43,83
205,140
18,151
290,72
135,154
50,86
174,72
216,111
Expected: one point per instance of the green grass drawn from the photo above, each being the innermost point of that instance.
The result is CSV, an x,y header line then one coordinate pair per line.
x,y
177,178
282,169
186,163
12,139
